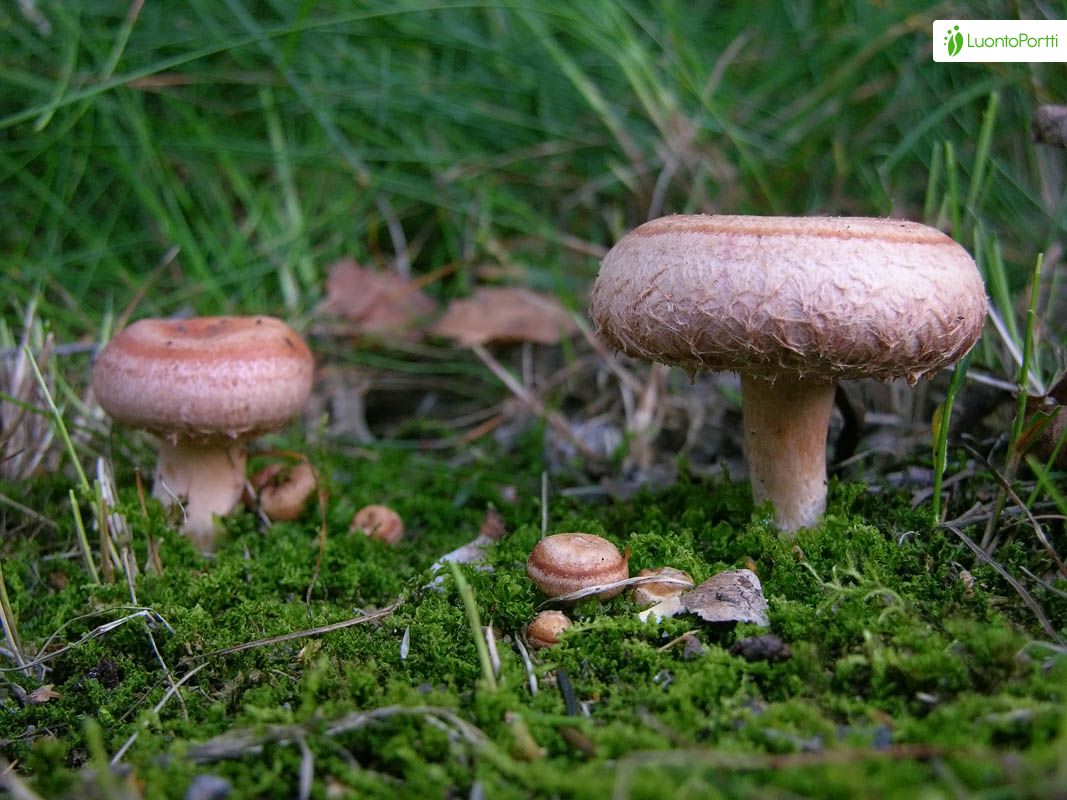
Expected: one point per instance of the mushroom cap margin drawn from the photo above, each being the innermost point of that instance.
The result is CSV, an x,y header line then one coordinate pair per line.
x,y
829,297
205,378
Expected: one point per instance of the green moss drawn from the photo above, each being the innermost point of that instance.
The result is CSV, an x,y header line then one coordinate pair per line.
x,y
889,650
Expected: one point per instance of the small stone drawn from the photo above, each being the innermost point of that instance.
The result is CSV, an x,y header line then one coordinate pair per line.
x,y
766,647
692,647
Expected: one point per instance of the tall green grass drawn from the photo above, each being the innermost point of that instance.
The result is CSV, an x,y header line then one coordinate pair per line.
x,y
265,139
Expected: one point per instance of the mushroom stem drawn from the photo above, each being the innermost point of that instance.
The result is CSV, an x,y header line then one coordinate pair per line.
x,y
786,421
208,479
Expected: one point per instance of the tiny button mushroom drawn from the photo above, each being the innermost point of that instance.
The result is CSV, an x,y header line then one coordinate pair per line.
x,y
675,582
546,627
283,491
571,562
378,522
793,304
203,387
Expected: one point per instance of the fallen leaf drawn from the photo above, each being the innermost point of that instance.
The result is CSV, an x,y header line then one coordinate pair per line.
x,y
505,315
732,596
1047,424
42,694
379,303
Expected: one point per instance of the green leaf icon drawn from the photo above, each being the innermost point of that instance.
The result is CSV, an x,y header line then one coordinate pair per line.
x,y
954,41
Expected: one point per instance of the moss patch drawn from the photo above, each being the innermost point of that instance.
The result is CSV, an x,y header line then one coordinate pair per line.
x,y
903,677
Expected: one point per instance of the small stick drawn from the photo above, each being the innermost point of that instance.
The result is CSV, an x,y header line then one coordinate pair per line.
x,y
533,403
307,769
27,511
1006,487
99,630
1027,598
288,637
83,539
173,690
7,617
531,676
13,784
129,570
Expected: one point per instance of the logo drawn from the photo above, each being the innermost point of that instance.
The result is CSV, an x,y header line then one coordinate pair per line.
x,y
992,40
954,41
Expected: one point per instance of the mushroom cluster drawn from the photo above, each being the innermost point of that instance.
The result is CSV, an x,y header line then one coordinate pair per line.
x,y
793,305
204,387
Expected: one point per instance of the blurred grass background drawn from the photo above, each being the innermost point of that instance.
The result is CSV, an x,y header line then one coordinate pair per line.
x,y
217,156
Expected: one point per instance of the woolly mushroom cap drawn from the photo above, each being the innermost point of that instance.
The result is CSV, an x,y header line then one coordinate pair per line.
x,y
818,297
207,379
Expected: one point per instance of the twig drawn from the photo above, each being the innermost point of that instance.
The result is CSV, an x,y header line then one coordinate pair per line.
x,y
171,692
606,356
1027,598
129,572
27,511
304,634
66,349
531,676
13,784
11,633
307,769
96,632
237,743
1010,492
533,403
602,587
1048,587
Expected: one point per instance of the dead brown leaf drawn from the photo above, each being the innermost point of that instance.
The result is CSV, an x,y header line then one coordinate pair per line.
x,y
505,315
379,303
42,694
1047,424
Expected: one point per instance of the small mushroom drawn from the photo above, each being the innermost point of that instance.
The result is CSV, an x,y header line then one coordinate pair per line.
x,y
675,582
204,386
282,491
378,522
793,304
546,627
572,562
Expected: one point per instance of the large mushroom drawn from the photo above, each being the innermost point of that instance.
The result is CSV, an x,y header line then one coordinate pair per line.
x,y
793,305
204,387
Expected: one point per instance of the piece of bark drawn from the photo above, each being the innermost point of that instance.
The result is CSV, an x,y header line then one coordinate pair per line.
x,y
732,596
